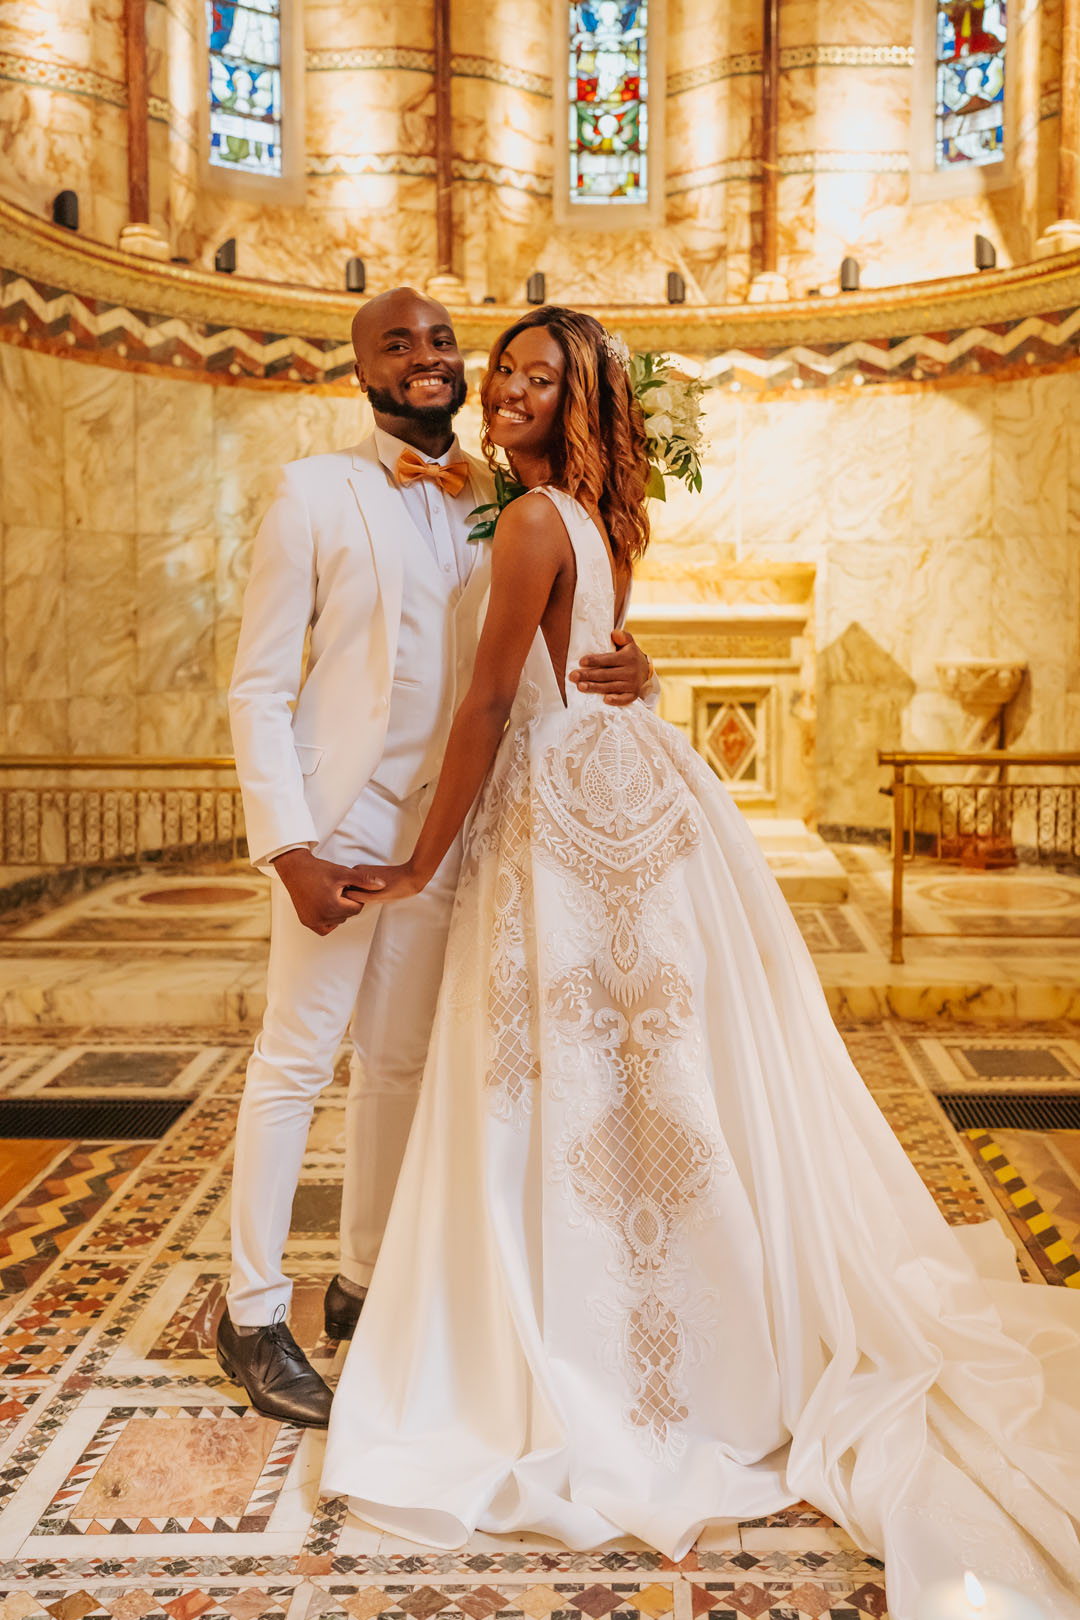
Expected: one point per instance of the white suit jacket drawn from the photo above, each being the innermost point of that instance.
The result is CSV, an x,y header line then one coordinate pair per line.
x,y
328,555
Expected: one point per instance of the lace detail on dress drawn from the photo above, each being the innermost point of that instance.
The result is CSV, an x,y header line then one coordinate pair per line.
x,y
639,1157
498,847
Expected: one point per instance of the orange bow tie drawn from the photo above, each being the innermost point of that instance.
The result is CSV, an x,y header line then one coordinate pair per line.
x,y
451,479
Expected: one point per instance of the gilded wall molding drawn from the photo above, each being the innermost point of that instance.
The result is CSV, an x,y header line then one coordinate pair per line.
x,y
64,77
792,58
409,59
64,293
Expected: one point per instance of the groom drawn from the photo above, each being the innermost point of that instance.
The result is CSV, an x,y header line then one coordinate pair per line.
x,y
337,758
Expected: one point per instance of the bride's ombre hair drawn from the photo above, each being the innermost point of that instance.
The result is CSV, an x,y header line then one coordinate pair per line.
x,y
599,454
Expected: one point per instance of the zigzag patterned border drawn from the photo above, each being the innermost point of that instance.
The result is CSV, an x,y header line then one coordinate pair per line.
x,y
63,323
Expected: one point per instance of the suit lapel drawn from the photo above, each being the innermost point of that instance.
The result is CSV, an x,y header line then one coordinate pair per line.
x,y
382,512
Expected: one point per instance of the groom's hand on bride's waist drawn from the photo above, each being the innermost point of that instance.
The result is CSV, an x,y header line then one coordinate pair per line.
x,y
321,891
619,677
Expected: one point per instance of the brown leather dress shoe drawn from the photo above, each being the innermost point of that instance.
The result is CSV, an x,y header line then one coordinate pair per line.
x,y
341,1311
279,1379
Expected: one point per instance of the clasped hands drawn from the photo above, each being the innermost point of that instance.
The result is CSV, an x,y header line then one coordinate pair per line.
x,y
324,894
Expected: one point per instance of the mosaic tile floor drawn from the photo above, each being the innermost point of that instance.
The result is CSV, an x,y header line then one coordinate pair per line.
x,y
135,1485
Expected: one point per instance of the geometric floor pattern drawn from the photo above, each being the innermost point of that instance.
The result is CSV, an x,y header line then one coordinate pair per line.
x,y
135,1486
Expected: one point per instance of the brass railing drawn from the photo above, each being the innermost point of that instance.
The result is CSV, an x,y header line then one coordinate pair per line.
x,y
48,821
981,823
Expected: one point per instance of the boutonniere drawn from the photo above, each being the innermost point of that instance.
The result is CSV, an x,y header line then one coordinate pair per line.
x,y
507,489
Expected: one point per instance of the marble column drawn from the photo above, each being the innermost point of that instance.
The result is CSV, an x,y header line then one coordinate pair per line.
x,y
138,235
1064,233
769,285
444,284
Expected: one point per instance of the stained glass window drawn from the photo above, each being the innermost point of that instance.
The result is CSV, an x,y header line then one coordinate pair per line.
x,y
245,85
608,103
970,82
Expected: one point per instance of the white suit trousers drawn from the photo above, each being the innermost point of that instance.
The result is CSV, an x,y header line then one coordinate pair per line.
x,y
377,976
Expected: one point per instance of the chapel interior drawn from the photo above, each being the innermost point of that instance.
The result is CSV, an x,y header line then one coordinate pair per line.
x,y
858,226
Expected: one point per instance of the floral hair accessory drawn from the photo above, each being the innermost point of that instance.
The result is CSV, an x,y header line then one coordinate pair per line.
x,y
616,348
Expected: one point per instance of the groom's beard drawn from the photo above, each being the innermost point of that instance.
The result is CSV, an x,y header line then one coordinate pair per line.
x,y
388,404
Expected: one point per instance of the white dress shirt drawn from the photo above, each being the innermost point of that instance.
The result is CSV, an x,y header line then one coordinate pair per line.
x,y
441,519
435,653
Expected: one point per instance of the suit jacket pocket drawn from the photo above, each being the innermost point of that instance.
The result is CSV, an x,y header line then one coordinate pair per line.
x,y
309,757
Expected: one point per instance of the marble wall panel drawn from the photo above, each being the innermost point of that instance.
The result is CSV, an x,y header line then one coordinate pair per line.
x,y
804,268
157,51
1030,584
387,219
189,723
35,633
343,24
99,449
505,32
330,422
1071,726
175,636
100,598
107,41
31,437
951,606
254,436
743,235
370,111
863,109
696,127
891,496
102,725
232,567
1072,616
61,29
854,720
48,146
174,456
952,463
503,239
37,727
783,492
861,22
869,476
504,125
1030,469
870,583
622,267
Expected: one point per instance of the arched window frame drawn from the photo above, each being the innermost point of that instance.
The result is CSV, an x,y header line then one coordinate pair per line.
x,y
928,182
607,216
288,187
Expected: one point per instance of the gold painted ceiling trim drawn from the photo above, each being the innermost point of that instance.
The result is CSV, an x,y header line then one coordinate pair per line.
x,y
50,255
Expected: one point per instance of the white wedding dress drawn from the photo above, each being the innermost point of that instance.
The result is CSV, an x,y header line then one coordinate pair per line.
x,y
655,1257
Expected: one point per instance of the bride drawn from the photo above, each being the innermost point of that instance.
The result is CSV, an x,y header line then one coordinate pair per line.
x,y
655,1257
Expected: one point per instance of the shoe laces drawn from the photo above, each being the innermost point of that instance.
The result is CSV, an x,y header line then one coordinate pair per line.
x,y
278,1331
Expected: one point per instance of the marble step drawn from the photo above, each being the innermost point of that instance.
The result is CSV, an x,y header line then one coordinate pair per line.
x,y
175,991
801,862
